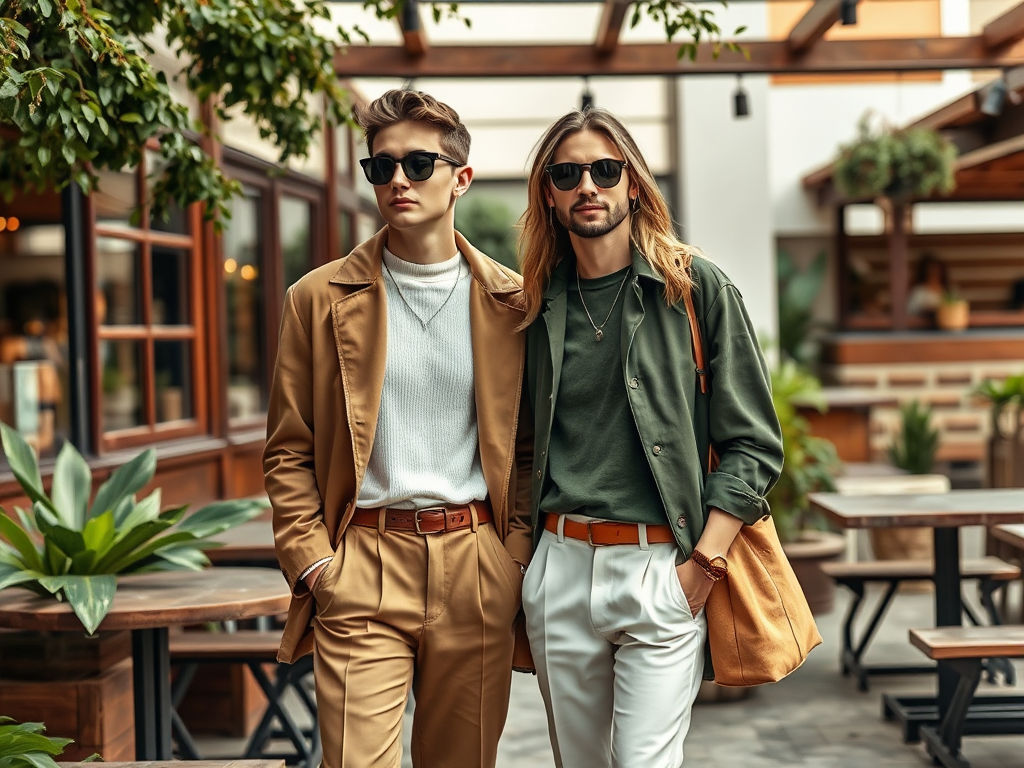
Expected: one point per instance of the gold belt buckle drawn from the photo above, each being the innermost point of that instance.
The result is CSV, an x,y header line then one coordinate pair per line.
x,y
416,520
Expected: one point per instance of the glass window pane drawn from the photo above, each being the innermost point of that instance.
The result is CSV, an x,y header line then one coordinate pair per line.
x,y
345,242
121,384
170,286
243,286
177,220
118,282
343,153
173,380
34,393
296,225
116,197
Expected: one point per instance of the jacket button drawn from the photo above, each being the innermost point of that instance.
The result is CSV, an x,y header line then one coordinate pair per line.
x,y
538,473
634,383
656,450
681,521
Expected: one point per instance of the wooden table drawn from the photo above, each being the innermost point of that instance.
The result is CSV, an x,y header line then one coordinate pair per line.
x,y
148,604
946,513
1011,534
250,543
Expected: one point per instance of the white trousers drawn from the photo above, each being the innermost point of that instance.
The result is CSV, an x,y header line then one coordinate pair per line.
x,y
619,656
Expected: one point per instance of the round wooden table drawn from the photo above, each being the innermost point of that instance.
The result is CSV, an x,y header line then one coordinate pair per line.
x,y
148,604
250,543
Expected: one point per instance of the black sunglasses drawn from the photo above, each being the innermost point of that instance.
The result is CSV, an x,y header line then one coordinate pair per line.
x,y
417,166
604,173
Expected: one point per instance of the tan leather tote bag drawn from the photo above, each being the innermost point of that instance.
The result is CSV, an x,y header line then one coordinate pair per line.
x,y
759,624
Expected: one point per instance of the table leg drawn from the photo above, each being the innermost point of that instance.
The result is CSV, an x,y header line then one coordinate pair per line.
x,y
151,673
948,612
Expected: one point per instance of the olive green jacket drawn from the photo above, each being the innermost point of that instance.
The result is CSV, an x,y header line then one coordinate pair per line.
x,y
676,422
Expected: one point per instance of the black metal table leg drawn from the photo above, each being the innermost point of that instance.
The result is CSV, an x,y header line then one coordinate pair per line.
x,y
947,603
151,677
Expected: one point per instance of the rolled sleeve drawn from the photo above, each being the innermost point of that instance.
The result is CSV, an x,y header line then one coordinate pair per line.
x,y
744,428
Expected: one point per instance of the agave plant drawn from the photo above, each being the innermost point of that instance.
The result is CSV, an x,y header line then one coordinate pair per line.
x,y
23,745
914,448
74,550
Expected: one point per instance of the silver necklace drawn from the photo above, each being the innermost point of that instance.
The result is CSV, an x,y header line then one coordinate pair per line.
x,y
405,301
598,332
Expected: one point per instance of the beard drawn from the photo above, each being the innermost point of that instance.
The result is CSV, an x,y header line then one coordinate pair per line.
x,y
591,229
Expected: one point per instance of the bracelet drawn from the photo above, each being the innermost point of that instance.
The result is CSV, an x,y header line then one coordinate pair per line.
x,y
712,571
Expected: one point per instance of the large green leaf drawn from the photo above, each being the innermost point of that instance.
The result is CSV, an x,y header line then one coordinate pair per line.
x,y
124,564
25,742
12,576
222,515
56,561
99,533
128,542
146,511
126,480
185,557
68,541
72,486
23,464
90,597
21,542
27,521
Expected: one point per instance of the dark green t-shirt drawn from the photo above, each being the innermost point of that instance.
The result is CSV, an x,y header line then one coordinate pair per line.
x,y
596,463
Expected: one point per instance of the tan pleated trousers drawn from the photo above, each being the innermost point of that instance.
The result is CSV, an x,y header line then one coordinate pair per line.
x,y
435,612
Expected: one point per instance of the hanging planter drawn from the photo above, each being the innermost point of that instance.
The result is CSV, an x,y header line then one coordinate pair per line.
x,y
896,163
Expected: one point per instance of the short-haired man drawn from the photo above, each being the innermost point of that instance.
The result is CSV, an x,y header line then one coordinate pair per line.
x,y
621,445
392,465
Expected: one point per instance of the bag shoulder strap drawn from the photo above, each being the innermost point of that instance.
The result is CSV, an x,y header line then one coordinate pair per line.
x,y
698,343
700,360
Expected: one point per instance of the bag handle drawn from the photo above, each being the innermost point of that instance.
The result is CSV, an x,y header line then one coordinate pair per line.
x,y
700,360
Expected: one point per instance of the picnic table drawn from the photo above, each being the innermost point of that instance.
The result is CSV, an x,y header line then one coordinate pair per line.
x,y
148,604
946,513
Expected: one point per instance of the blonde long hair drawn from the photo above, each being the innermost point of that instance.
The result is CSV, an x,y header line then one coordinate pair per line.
x,y
543,241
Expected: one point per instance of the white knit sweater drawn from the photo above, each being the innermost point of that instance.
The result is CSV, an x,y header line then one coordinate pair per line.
x,y
426,449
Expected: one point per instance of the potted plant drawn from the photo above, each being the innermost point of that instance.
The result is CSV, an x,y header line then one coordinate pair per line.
x,y
1006,445
72,550
23,745
913,449
811,465
895,163
953,312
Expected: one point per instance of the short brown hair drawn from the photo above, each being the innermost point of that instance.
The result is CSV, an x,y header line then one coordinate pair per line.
x,y
415,106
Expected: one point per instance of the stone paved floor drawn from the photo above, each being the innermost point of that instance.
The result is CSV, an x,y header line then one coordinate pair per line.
x,y
813,719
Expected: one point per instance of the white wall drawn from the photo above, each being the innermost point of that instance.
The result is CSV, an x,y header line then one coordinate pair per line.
x,y
724,192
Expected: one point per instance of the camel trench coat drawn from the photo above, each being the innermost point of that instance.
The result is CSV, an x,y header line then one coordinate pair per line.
x,y
325,397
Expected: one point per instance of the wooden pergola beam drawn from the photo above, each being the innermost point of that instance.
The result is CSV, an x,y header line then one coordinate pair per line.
x,y
1005,29
813,25
414,38
769,56
613,15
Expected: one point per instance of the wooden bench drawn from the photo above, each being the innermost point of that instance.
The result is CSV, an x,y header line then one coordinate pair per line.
x,y
991,573
254,648
964,650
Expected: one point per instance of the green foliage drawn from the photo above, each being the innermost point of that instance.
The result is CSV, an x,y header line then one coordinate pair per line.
x,y
898,163
811,462
488,224
914,448
677,16
1004,397
23,745
797,291
72,550
76,84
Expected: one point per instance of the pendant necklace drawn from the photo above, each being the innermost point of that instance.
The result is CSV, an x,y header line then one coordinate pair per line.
x,y
598,332
405,301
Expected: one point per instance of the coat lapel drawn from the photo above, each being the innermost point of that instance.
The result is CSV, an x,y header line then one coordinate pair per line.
x,y
498,358
360,331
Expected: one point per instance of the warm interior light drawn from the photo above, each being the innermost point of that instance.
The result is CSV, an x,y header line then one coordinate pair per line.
x,y
13,224
3,223
248,272
230,265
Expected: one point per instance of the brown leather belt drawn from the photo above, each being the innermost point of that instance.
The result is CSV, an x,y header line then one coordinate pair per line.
x,y
425,521
605,534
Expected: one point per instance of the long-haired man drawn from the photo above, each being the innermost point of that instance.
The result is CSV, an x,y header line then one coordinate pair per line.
x,y
392,465
621,441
